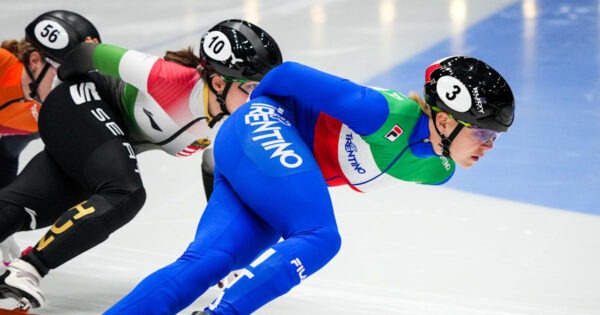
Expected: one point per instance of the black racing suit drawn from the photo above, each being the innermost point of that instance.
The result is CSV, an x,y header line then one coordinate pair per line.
x,y
10,150
85,182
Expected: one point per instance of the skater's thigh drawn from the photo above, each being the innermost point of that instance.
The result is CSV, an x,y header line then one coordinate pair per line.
x,y
228,226
44,190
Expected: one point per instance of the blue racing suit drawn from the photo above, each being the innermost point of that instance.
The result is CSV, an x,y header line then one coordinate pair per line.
x,y
271,212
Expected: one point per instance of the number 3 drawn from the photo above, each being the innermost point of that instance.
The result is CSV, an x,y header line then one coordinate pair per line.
x,y
454,93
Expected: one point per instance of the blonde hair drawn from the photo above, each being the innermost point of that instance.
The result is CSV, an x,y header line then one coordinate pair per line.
x,y
20,48
424,106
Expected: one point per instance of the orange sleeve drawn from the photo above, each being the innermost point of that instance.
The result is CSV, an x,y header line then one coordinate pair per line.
x,y
7,59
20,117
11,70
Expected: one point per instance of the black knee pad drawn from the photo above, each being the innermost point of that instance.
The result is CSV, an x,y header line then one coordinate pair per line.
x,y
87,224
12,219
125,208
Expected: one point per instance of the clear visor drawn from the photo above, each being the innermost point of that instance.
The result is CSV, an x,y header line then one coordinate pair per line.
x,y
248,86
484,135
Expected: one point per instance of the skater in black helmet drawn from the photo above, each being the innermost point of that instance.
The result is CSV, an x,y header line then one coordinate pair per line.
x,y
28,73
86,183
271,214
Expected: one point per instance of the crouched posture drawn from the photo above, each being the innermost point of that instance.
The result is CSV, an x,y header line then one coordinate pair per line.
x,y
304,130
94,123
87,166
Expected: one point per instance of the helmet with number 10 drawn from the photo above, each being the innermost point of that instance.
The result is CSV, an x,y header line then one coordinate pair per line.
x,y
240,50
471,91
56,32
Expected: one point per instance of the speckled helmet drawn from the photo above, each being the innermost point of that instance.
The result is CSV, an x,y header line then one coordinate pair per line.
x,y
56,32
239,49
471,91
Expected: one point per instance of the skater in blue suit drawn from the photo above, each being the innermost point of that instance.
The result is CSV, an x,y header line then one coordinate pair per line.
x,y
303,130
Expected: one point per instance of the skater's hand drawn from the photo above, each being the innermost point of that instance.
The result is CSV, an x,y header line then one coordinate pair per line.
x,y
10,250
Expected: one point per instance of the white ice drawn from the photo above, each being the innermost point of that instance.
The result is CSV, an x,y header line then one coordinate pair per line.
x,y
407,249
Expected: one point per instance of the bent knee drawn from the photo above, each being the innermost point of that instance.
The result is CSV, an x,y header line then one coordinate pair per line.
x,y
120,207
332,241
137,198
326,239
133,204
12,219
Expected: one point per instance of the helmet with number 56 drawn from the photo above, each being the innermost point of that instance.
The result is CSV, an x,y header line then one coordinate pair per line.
x,y
56,32
239,49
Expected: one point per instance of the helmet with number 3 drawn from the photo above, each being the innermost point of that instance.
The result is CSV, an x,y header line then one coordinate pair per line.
x,y
239,49
471,91
56,32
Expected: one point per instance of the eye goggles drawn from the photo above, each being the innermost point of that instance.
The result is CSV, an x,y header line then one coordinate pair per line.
x,y
484,135
247,86
479,134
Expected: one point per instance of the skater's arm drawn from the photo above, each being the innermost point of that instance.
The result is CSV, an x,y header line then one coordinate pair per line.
x,y
338,97
130,66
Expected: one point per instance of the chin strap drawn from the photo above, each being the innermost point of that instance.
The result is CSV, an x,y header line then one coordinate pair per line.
x,y
35,83
221,101
446,141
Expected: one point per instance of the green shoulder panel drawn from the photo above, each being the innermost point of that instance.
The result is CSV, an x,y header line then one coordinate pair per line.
x,y
107,58
404,113
128,99
393,138
432,170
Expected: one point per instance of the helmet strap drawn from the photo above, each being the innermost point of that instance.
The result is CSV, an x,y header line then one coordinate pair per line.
x,y
221,98
446,142
35,83
222,104
216,119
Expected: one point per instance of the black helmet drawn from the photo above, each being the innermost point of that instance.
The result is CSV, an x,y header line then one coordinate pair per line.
x,y
240,50
55,33
471,91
